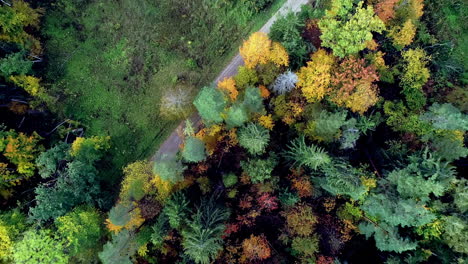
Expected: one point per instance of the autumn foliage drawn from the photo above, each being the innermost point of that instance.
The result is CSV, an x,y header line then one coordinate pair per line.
x,y
259,49
353,85
228,85
256,248
315,78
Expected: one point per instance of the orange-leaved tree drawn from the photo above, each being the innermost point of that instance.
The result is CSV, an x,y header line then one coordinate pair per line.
x,y
256,248
353,85
228,85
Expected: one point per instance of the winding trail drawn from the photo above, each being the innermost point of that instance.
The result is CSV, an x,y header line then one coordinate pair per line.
x,y
171,145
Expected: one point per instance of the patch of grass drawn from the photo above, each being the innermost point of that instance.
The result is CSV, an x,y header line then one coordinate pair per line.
x,y
110,62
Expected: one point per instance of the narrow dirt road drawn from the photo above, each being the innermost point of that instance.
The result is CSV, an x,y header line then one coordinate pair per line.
x,y
172,143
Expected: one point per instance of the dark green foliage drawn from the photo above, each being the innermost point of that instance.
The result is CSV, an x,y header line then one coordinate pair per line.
x,y
169,169
397,211
425,175
415,98
254,138
120,249
160,230
77,184
202,237
236,116
48,161
15,64
287,30
368,123
300,154
387,238
342,179
288,198
210,103
229,180
445,19
176,210
194,150
259,170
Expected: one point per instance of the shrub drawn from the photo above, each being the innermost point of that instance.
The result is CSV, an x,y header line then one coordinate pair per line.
x,y
254,138
176,103
194,150
259,170
302,155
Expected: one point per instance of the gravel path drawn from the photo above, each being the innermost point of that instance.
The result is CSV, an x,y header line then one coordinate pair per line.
x,y
171,145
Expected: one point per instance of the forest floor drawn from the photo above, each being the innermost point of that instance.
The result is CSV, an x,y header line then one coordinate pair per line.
x,y
170,146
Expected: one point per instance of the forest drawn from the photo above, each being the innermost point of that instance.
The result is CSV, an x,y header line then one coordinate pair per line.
x,y
341,138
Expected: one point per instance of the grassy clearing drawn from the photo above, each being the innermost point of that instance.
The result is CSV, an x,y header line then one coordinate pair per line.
x,y
110,62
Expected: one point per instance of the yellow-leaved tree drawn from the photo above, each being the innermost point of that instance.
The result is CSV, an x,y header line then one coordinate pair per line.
x,y
314,79
259,49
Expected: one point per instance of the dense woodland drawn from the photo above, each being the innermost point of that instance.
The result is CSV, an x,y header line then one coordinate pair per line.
x,y
340,140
